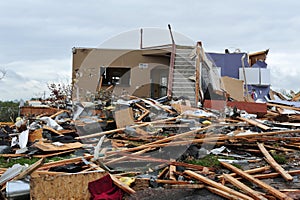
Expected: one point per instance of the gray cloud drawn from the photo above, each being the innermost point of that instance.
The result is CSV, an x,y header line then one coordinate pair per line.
x,y
39,35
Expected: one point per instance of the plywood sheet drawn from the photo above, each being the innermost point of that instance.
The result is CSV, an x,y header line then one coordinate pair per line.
x,y
234,88
61,187
124,117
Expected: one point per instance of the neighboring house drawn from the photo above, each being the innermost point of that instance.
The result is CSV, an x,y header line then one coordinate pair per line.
x,y
255,68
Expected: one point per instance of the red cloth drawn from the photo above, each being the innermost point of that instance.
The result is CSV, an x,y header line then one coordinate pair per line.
x,y
104,188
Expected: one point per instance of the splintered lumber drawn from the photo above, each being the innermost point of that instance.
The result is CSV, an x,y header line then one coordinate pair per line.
x,y
274,164
121,185
216,185
255,123
222,193
243,187
256,181
122,129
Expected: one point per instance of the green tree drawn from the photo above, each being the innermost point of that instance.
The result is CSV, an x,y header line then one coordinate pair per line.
x,y
8,111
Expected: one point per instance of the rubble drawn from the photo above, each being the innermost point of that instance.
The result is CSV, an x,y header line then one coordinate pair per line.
x,y
147,144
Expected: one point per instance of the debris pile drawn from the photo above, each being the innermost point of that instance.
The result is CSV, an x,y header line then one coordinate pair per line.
x,y
135,147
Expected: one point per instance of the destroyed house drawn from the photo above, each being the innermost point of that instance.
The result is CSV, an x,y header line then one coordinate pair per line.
x,y
153,72
250,68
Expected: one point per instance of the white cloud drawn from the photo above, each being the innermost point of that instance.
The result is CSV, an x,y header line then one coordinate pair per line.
x,y
27,79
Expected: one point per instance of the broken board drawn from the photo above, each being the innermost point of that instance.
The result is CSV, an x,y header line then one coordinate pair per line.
x,y
50,147
234,87
124,117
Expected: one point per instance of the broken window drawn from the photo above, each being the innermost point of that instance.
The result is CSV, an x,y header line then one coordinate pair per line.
x,y
115,76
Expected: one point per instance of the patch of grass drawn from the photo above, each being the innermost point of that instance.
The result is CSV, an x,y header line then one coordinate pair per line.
x,y
279,158
207,161
9,162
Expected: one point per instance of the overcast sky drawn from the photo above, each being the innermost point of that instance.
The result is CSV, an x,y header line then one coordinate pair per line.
x,y
37,36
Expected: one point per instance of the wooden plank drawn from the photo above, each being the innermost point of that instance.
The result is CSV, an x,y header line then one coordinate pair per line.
x,y
274,164
254,123
216,185
256,181
65,186
64,162
243,187
275,174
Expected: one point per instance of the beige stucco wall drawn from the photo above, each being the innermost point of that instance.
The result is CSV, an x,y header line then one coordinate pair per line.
x,y
87,63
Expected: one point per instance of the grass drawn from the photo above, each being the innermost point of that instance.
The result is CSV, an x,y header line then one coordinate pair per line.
x,y
279,158
9,162
212,161
207,161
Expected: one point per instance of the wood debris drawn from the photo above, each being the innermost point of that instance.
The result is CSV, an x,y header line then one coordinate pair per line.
x,y
152,144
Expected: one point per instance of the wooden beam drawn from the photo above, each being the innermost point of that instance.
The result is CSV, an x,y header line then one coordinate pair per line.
x,y
274,164
243,187
256,181
254,123
216,185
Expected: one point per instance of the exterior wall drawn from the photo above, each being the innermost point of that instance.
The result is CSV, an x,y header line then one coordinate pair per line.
x,y
87,63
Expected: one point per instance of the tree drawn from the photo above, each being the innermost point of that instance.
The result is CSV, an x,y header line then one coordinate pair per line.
x,y
2,73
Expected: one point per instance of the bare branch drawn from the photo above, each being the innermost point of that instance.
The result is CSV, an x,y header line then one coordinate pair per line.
x,y
2,73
